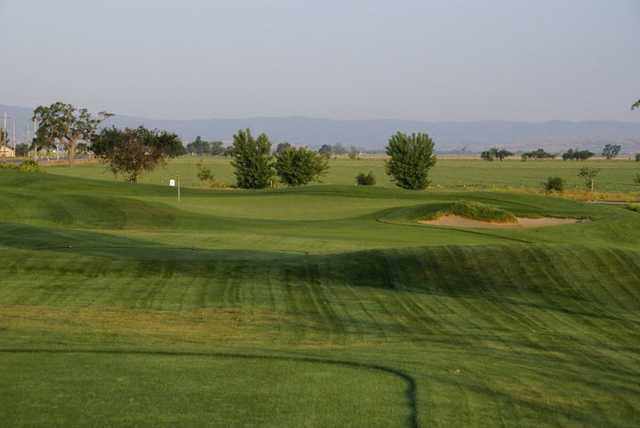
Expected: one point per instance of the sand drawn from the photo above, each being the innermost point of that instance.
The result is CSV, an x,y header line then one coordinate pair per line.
x,y
523,222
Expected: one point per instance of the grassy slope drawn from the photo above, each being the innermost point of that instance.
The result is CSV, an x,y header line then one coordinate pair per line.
x,y
521,328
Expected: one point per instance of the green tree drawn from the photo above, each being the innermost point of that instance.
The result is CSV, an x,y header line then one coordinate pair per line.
x,y
410,159
22,150
281,147
610,151
637,157
216,148
363,179
495,153
199,147
133,151
636,105
326,150
64,124
252,160
554,184
589,176
299,166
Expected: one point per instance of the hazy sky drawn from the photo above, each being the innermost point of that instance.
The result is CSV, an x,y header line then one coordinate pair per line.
x,y
347,59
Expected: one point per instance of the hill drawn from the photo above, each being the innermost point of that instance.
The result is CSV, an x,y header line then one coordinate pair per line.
x,y
373,134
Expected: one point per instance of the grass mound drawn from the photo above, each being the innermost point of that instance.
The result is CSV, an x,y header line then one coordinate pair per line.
x,y
474,211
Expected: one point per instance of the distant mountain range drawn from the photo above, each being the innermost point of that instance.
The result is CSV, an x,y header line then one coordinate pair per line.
x,y
372,135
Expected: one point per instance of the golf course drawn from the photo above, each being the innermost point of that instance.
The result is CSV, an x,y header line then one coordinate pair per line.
x,y
322,305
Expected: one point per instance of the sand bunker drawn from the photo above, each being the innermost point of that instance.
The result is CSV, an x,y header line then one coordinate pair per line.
x,y
523,222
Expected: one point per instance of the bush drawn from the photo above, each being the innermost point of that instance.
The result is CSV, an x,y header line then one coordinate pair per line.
x,y
299,166
363,179
411,158
26,166
204,174
554,184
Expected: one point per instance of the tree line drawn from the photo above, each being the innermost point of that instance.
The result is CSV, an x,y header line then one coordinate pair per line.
x,y
609,151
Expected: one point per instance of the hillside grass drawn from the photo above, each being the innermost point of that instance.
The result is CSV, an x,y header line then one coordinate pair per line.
x,y
316,306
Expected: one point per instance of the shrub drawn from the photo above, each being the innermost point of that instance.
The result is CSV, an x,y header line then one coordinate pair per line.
x,y
204,174
411,158
299,166
26,166
554,184
589,175
252,160
363,179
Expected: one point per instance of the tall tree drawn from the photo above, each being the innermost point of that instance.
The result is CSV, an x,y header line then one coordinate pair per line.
x,y
133,151
610,151
199,147
410,159
299,166
281,147
64,124
252,160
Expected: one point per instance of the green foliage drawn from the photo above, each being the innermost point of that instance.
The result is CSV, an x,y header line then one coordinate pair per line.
x,y
252,160
635,105
326,150
611,151
204,173
637,157
26,166
410,159
634,207
199,147
475,211
64,124
363,179
589,175
538,154
299,166
554,184
22,150
281,147
134,151
577,154
495,153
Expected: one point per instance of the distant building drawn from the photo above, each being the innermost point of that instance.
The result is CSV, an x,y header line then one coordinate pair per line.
x,y
7,152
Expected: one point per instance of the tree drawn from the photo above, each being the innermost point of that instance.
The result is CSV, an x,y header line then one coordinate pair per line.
x,y
4,138
22,150
637,157
554,184
363,179
589,176
252,160
636,105
199,147
411,158
64,124
281,147
538,154
216,148
576,154
326,150
495,153
354,153
610,151
299,166
134,151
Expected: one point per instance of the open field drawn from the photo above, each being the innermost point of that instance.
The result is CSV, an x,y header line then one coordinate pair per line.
x,y
451,174
326,305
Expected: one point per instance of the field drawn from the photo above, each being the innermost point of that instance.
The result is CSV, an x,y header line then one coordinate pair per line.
x,y
452,174
326,305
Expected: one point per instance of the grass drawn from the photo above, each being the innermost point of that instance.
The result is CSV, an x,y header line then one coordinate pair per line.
x,y
316,306
474,211
448,174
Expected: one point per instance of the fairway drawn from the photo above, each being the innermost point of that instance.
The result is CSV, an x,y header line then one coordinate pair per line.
x,y
324,305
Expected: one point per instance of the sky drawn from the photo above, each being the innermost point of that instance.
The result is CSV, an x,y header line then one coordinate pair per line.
x,y
439,60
